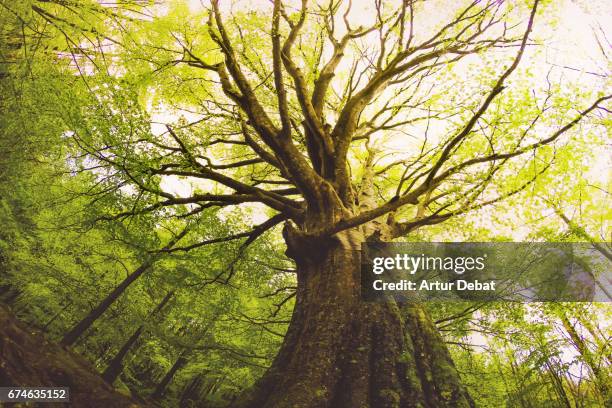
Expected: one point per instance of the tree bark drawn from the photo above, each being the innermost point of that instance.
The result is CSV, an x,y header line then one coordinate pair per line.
x,y
115,367
340,351
55,316
191,392
557,383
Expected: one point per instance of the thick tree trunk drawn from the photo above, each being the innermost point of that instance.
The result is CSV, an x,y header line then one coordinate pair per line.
x,y
340,351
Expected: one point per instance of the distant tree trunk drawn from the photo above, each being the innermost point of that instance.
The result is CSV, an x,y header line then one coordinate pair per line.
x,y
602,343
9,294
213,385
601,377
191,393
77,331
519,382
502,376
163,384
80,328
55,316
340,351
116,365
557,382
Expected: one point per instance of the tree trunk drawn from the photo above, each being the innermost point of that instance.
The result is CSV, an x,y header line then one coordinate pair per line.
x,y
55,316
601,379
557,383
163,384
520,381
9,294
340,351
80,328
116,365
191,392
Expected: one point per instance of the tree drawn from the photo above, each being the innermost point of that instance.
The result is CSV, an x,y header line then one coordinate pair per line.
x,y
116,365
77,331
297,114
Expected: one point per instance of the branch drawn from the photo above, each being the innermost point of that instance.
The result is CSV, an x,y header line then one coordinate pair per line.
x,y
497,89
251,235
275,201
523,150
312,121
305,177
348,119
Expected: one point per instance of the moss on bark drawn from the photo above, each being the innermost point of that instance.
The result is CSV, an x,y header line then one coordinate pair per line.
x,y
343,352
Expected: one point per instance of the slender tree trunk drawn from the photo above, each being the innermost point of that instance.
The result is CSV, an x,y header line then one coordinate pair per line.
x,y
214,385
116,365
80,328
558,385
191,392
340,351
55,316
601,377
603,346
500,370
163,384
519,382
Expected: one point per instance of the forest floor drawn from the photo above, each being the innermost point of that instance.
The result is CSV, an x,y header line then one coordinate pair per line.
x,y
27,358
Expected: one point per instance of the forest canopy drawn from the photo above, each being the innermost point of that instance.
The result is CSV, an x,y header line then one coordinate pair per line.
x,y
185,187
